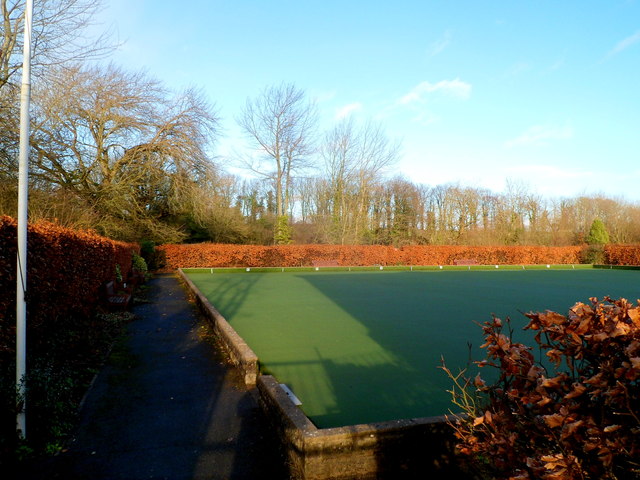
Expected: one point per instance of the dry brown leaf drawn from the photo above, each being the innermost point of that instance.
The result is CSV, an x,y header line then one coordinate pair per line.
x,y
534,372
578,390
554,420
555,356
570,428
479,382
552,318
621,329
488,418
583,327
632,348
554,382
599,337
544,401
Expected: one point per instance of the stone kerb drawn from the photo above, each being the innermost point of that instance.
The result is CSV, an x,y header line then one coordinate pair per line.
x,y
378,450
241,354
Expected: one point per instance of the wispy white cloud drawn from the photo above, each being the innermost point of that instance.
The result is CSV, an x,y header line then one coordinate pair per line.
x,y
624,44
347,110
541,135
453,88
518,68
425,118
321,96
440,44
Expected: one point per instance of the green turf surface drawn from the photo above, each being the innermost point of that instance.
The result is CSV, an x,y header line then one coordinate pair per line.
x,y
364,346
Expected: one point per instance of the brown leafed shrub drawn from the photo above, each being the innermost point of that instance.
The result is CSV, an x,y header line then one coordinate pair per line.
x,y
574,416
65,339
223,255
65,271
622,254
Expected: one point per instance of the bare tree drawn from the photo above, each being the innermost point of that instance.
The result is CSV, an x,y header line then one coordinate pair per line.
x,y
280,124
339,153
60,36
400,208
122,143
59,31
354,159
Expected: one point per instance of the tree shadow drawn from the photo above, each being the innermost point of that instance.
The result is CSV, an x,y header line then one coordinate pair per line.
x,y
226,291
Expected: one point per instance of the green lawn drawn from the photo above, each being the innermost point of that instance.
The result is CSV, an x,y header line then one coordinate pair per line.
x,y
365,346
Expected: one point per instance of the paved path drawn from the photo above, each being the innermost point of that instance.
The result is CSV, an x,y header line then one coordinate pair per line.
x,y
167,407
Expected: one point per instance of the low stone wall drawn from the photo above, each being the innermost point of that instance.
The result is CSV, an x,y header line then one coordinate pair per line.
x,y
414,448
240,353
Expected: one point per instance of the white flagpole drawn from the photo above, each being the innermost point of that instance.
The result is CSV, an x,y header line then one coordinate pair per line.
x,y
23,200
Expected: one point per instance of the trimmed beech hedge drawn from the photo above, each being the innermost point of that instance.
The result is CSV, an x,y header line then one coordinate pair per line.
x,y
223,255
622,254
65,271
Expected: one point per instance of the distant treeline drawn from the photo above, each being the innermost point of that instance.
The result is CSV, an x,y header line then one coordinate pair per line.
x,y
390,212
399,212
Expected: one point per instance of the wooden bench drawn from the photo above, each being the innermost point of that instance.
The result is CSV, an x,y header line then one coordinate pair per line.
x,y
465,261
114,299
325,263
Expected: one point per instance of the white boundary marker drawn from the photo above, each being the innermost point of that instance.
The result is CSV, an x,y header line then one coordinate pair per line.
x,y
296,401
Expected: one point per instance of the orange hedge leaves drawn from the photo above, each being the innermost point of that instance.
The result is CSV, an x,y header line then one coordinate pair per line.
x,y
224,255
65,271
622,254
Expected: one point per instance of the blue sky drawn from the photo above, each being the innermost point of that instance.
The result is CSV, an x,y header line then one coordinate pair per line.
x,y
541,92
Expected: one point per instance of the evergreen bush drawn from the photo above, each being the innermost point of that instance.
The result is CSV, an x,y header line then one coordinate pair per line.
x,y
283,231
598,234
154,258
139,264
